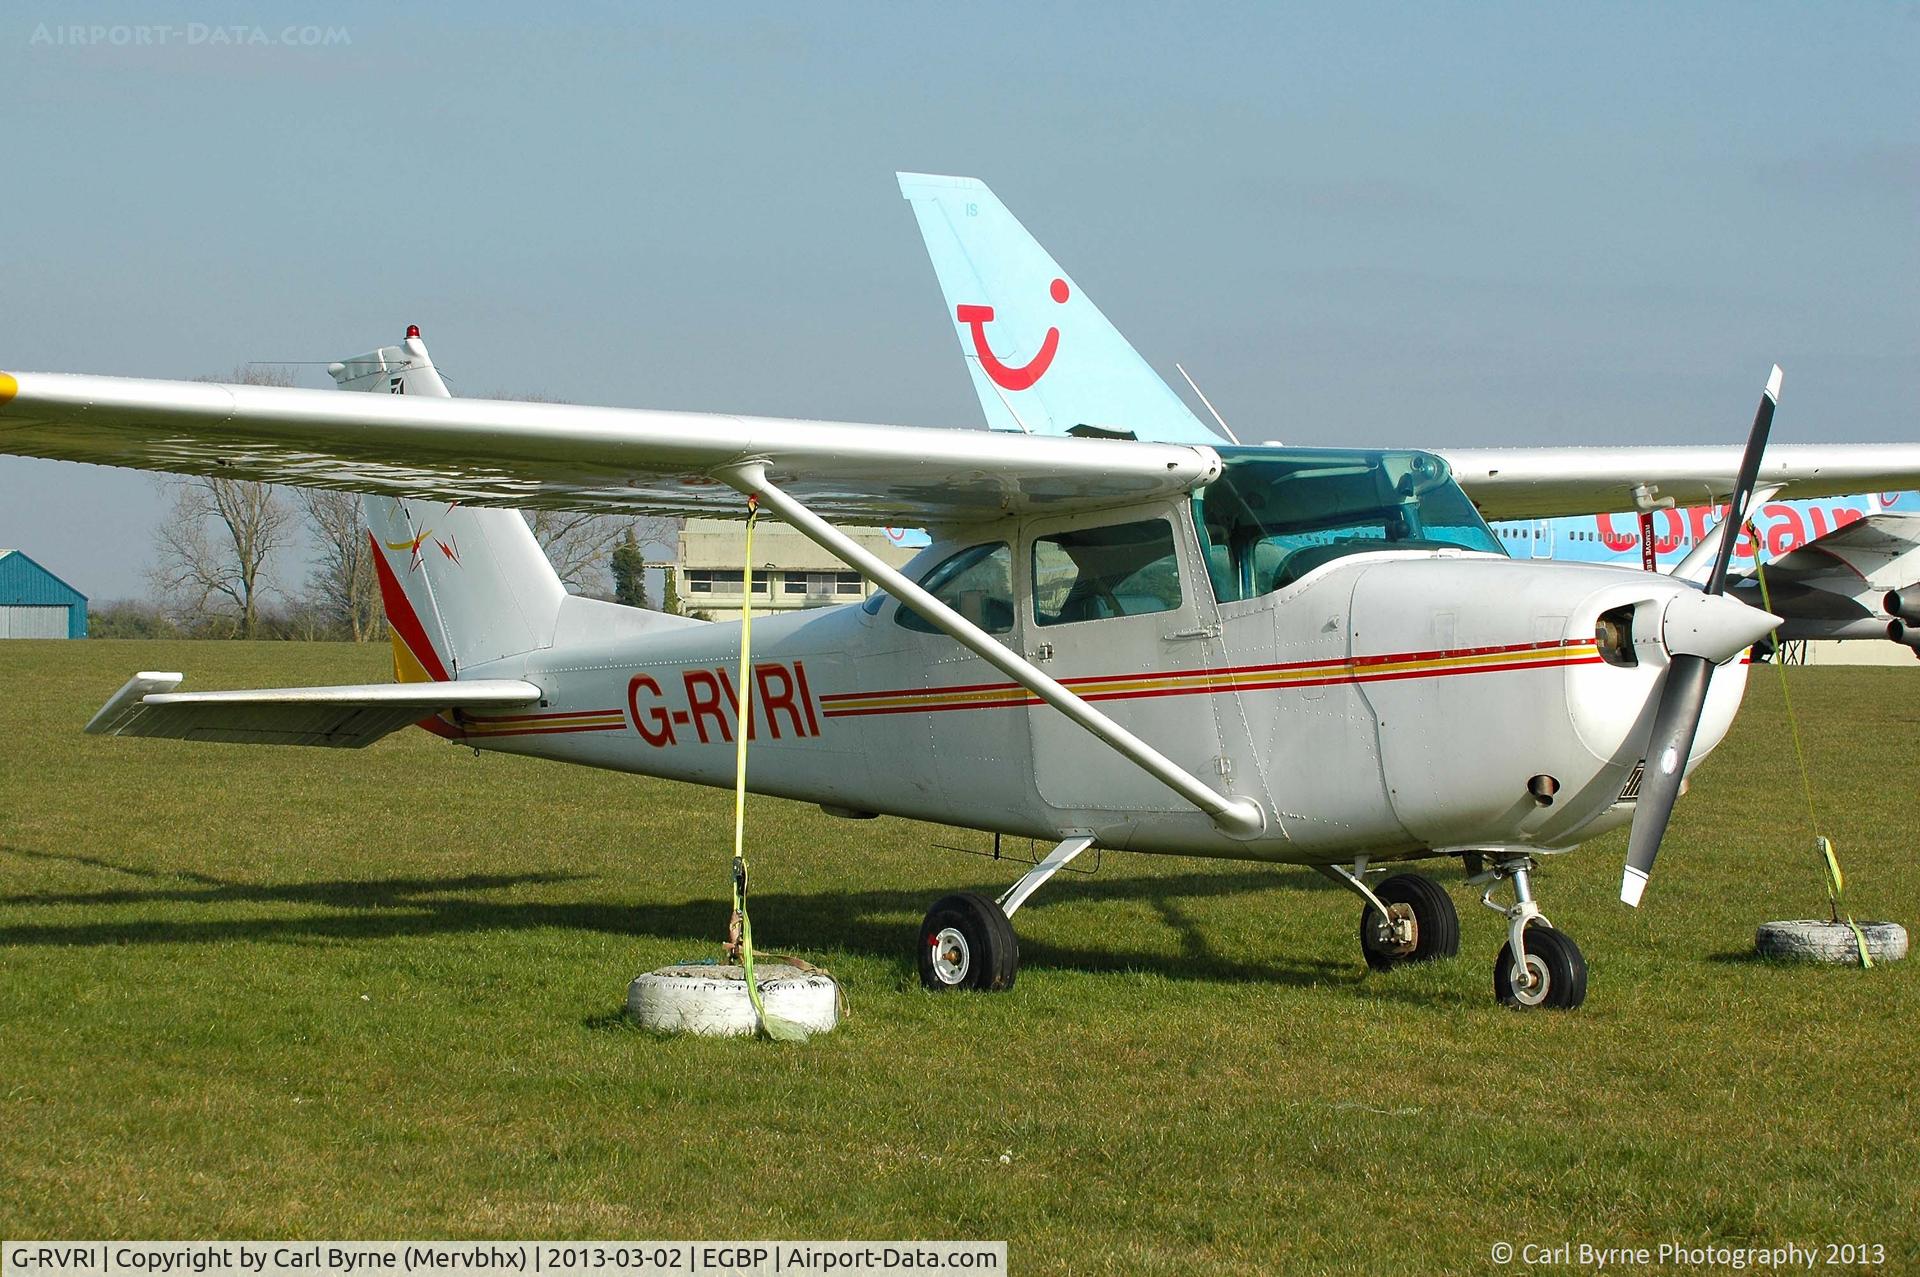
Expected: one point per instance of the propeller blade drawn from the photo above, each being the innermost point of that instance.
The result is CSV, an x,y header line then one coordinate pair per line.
x,y
1682,698
1742,502
1695,632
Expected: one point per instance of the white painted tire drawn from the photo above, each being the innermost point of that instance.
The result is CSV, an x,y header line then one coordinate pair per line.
x,y
1818,940
704,998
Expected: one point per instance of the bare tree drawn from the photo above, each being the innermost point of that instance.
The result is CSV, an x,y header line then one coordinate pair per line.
x,y
343,588
215,548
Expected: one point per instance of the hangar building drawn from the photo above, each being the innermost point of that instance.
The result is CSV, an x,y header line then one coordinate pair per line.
x,y
34,603
790,571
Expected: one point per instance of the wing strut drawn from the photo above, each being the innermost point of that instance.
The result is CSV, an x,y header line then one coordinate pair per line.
x,y
1236,817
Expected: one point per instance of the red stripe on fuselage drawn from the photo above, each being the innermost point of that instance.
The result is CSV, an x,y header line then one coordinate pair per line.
x,y
835,703
1349,672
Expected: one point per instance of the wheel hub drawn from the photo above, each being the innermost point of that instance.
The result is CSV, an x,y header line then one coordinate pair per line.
x,y
1529,977
1398,933
951,957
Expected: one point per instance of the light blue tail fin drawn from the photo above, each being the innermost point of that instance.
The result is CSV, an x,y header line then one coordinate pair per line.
x,y
1042,357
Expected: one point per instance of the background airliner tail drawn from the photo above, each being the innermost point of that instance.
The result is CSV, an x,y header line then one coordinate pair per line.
x,y
461,586
1042,356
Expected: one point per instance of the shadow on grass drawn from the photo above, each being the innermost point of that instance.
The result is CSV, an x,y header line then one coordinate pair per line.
x,y
875,923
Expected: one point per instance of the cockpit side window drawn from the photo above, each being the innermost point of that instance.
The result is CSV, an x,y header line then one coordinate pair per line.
x,y
1089,574
977,583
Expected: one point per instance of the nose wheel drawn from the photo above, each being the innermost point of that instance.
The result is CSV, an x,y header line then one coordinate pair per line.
x,y
1550,973
1537,966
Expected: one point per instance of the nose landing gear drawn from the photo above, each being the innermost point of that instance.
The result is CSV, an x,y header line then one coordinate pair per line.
x,y
1537,966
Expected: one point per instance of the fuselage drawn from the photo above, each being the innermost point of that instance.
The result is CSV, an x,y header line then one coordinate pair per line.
x,y
1380,686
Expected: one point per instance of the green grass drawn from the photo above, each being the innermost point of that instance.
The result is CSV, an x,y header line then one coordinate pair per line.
x,y
271,992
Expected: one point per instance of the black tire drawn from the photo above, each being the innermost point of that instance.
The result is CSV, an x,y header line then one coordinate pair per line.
x,y
980,951
1436,925
1554,956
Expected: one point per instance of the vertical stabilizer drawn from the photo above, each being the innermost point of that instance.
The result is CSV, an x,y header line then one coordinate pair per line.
x,y
461,586
1042,357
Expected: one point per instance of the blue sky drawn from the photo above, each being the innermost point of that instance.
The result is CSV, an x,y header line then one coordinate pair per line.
x,y
1432,224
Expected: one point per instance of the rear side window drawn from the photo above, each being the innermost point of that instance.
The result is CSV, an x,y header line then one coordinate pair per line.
x,y
977,583
1089,574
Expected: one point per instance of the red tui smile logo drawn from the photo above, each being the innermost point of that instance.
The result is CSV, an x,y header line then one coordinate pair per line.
x,y
1006,376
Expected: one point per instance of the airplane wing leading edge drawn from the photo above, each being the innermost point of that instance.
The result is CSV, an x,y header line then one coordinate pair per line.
x,y
492,452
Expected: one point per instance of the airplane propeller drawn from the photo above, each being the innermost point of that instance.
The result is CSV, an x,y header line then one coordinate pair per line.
x,y
1699,631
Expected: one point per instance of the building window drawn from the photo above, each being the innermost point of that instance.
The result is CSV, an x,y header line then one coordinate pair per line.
x,y
709,581
822,585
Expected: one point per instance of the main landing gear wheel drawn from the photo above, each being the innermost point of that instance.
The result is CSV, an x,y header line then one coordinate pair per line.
x,y
1434,930
1555,973
967,942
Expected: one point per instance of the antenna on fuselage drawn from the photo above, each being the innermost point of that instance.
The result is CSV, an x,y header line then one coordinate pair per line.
x,y
1225,428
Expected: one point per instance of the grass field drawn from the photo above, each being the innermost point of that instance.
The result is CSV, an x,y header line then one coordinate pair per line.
x,y
267,992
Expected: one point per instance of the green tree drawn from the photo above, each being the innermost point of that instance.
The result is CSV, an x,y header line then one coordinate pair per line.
x,y
629,572
670,594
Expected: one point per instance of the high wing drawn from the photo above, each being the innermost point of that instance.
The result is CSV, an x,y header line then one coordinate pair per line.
x,y
1546,483
561,456
342,717
623,460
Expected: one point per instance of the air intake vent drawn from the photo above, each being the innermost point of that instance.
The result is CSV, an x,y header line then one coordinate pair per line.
x,y
1631,794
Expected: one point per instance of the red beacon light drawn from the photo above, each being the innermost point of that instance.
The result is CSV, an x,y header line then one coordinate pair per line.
x,y
413,330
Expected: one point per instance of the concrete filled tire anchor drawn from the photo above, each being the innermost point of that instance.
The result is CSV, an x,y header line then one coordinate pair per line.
x,y
1823,940
1837,938
711,998
785,998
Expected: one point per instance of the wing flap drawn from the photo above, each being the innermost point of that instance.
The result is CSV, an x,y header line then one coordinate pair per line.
x,y
348,717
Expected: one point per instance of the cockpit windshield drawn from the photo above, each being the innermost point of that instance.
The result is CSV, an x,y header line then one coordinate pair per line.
x,y
1275,514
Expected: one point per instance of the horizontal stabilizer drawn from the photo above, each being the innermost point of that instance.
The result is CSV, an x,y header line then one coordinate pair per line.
x,y
340,717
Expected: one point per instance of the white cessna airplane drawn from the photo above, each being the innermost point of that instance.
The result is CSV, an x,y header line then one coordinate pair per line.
x,y
1297,655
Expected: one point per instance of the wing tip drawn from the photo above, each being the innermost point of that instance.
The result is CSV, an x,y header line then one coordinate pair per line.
x,y
9,387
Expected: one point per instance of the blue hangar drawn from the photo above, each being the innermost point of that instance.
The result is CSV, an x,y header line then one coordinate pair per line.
x,y
34,603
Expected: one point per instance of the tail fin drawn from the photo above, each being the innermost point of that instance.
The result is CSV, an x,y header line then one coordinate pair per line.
x,y
1042,357
461,587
